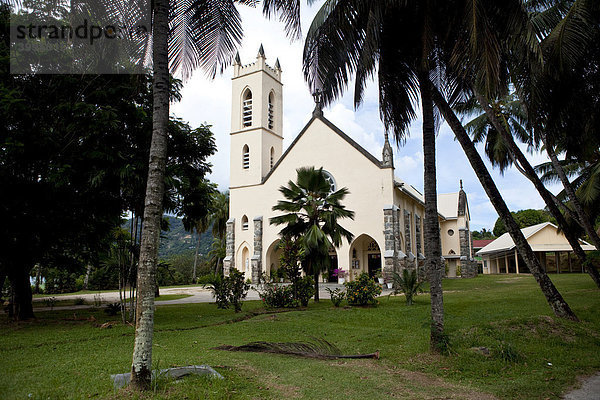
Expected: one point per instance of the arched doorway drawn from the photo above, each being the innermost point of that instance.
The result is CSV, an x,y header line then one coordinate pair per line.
x,y
243,254
333,265
273,258
365,256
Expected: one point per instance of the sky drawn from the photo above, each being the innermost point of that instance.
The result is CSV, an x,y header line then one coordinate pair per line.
x,y
208,101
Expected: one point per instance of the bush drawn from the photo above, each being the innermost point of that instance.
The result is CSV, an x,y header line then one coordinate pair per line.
x,y
60,281
305,290
337,296
278,296
79,301
112,309
362,291
229,290
219,287
205,279
238,289
407,283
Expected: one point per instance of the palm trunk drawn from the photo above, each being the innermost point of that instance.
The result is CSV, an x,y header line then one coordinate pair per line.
x,y
316,286
21,303
196,259
144,328
555,300
530,174
585,221
433,250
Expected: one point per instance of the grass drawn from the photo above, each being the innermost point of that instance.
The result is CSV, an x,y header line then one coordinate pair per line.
x,y
532,354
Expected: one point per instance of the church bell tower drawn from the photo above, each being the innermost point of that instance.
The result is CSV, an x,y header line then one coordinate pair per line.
x,y
256,120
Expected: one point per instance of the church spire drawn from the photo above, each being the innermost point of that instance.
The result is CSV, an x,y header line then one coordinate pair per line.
x,y
388,154
261,52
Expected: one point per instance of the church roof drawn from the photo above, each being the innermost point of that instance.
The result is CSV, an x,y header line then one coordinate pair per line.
x,y
334,128
448,205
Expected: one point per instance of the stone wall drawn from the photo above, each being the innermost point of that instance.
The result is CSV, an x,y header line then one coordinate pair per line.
x,y
229,260
256,260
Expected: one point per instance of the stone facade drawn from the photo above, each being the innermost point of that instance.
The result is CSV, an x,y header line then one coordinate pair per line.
x,y
229,259
258,248
468,264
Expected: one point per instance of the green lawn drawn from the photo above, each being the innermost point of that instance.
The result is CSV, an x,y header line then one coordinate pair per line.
x,y
532,354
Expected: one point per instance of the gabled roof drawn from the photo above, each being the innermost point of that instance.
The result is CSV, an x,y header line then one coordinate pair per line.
x,y
334,128
505,242
481,243
447,204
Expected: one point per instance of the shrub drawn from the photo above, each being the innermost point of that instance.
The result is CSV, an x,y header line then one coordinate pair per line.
x,y
205,279
362,291
50,302
112,308
219,287
407,283
337,296
237,288
278,296
305,290
79,301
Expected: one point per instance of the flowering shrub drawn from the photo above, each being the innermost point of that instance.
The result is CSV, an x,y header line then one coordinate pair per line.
x,y
339,273
362,291
278,296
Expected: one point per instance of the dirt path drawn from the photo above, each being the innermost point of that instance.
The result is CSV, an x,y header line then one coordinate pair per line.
x,y
589,390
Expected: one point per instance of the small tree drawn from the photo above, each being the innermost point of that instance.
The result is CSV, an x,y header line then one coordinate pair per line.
x,y
238,289
407,283
312,210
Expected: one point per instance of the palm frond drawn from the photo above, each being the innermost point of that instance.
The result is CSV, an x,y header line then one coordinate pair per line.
x,y
317,348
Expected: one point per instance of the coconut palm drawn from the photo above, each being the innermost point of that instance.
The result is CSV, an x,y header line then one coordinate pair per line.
x,y
499,123
458,44
205,34
311,215
362,37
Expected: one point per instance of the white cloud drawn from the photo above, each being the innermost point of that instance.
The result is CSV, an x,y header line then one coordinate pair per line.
x,y
210,101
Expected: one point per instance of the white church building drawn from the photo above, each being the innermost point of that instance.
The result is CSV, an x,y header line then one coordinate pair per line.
x,y
388,222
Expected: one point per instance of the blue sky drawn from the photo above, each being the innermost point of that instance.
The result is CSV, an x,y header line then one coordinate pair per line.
x,y
209,101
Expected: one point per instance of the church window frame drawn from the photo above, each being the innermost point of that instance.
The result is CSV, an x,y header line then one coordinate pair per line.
x,y
245,224
246,157
247,108
272,157
331,180
271,110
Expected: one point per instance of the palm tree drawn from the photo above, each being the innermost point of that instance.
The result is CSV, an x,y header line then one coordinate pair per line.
x,y
501,122
311,215
362,37
220,214
457,44
203,34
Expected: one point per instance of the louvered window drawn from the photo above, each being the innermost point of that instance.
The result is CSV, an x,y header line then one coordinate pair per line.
x,y
246,157
247,109
271,107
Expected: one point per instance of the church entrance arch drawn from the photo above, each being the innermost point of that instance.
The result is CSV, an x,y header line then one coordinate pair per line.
x,y
273,257
243,254
333,265
365,256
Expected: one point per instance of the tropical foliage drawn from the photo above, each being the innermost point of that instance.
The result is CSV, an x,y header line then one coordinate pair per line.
x,y
407,283
311,214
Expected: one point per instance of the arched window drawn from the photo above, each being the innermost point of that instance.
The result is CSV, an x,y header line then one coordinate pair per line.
x,y
244,223
270,111
247,108
330,180
246,157
272,157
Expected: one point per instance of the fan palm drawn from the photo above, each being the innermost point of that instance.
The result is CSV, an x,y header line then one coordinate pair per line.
x,y
407,283
457,45
311,214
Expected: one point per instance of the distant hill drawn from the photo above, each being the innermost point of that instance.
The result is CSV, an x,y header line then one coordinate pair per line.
x,y
178,241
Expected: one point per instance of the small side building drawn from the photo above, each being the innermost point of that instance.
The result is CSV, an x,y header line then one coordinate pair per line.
x,y
549,245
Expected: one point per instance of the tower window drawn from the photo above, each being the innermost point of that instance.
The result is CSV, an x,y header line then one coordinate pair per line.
x,y
247,109
246,157
244,223
271,106
272,157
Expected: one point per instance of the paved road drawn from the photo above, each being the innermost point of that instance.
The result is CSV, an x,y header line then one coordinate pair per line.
x,y
198,295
